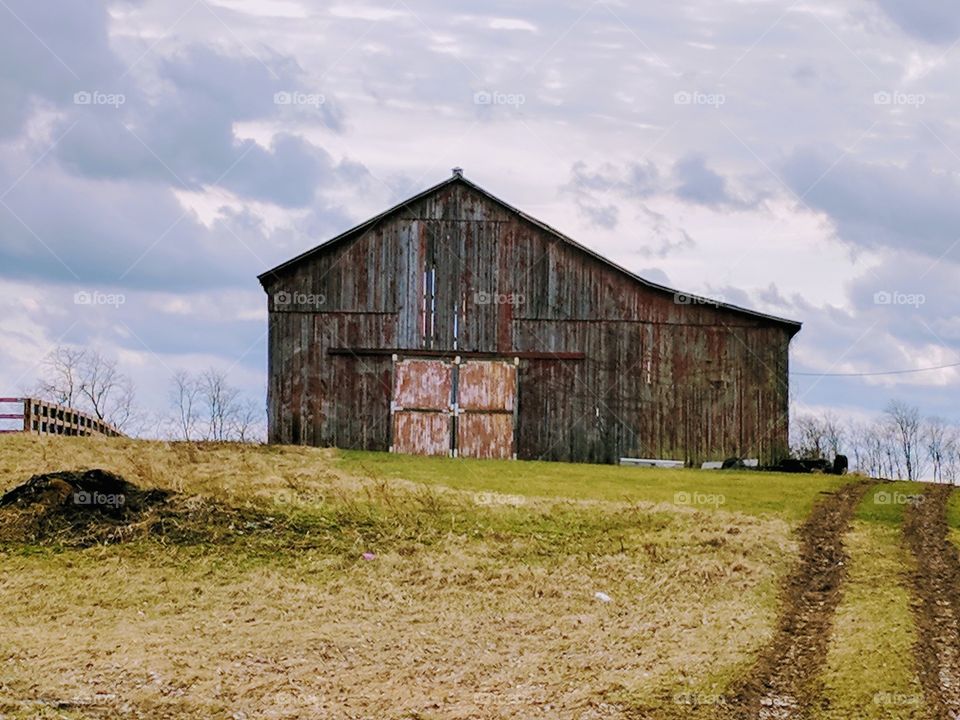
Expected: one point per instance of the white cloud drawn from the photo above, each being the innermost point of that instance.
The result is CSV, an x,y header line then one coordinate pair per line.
x,y
372,13
511,24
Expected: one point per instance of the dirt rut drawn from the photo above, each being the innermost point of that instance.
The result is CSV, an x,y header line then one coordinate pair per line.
x,y
783,682
936,605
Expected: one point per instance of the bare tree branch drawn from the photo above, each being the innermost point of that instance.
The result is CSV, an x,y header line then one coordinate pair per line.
x,y
86,381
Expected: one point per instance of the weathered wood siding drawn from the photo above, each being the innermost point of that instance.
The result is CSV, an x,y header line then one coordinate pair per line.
x,y
660,378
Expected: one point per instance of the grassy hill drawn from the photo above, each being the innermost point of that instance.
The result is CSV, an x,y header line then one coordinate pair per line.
x,y
300,582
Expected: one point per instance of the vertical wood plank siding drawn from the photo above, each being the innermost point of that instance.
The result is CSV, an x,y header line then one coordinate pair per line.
x,y
660,378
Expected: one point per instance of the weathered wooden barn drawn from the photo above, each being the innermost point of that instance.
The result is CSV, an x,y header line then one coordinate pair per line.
x,y
455,323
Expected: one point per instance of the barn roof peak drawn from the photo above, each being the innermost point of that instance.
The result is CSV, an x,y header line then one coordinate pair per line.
x,y
457,177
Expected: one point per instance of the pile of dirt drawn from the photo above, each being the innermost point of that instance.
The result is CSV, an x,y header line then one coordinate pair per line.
x,y
95,507
77,507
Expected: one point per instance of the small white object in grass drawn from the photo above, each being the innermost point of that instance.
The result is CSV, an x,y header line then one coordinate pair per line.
x,y
602,597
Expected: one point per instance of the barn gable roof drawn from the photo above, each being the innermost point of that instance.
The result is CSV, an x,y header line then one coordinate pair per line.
x,y
457,177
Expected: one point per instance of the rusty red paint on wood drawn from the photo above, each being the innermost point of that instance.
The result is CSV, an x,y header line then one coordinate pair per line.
x,y
421,400
425,384
487,436
487,397
487,386
421,433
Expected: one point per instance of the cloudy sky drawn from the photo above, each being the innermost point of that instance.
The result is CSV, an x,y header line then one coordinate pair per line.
x,y
800,158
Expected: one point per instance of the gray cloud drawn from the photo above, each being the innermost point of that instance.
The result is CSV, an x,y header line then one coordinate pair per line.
x,y
137,235
605,216
186,135
699,184
117,233
48,56
868,337
935,21
634,180
879,204
663,238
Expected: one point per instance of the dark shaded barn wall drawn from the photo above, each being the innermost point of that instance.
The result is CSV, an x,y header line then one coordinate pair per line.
x,y
657,377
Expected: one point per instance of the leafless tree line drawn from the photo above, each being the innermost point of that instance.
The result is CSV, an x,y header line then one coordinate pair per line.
x,y
207,407
203,406
899,444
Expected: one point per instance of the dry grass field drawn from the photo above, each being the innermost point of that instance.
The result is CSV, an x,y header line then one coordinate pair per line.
x,y
310,583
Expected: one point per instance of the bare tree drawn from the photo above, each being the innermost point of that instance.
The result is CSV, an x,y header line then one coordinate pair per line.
x,y
122,412
935,437
109,393
185,399
834,434
87,381
858,435
809,436
891,462
904,423
951,455
62,380
220,401
869,443
247,421
206,406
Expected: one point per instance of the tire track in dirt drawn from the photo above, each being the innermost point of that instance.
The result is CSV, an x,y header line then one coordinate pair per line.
x,y
936,605
783,683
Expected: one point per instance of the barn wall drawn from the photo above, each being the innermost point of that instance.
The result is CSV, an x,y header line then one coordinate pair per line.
x,y
661,377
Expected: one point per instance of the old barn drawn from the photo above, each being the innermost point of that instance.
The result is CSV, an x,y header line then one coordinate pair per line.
x,y
454,323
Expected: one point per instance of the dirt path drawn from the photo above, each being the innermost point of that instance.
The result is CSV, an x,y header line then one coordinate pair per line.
x,y
782,683
936,583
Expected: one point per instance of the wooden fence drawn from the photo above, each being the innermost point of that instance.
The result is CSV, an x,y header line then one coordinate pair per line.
x,y
45,418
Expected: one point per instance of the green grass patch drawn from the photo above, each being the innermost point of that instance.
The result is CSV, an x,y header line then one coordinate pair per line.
x,y
395,519
953,511
886,502
785,495
870,671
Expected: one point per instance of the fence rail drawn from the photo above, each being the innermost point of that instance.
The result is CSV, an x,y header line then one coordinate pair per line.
x,y
45,418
